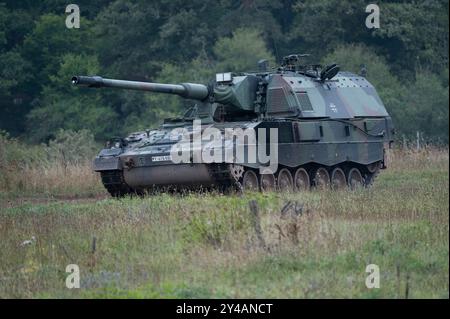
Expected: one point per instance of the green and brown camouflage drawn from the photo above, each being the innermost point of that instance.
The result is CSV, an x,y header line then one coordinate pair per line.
x,y
332,128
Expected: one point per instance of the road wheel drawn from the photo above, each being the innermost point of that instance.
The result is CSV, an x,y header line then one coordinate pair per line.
x,y
354,178
268,183
285,181
301,180
371,172
321,178
250,181
338,180
374,167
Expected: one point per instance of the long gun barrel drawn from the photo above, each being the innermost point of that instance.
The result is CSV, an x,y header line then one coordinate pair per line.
x,y
187,90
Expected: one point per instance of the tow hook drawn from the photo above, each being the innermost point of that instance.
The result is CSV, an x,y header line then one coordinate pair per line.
x,y
129,163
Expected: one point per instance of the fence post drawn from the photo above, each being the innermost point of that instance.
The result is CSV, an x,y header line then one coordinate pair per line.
x,y
256,222
418,140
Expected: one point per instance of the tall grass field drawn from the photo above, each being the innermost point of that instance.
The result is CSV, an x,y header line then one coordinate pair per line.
x,y
317,244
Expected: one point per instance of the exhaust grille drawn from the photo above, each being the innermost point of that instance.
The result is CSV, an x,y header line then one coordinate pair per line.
x,y
305,103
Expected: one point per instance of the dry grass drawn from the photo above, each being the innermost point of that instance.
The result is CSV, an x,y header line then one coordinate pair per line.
x,y
61,169
426,158
56,180
208,245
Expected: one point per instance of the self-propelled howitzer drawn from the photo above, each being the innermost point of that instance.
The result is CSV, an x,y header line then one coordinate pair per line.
x,y
321,127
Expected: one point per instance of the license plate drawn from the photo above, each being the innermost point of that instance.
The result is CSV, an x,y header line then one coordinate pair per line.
x,y
163,158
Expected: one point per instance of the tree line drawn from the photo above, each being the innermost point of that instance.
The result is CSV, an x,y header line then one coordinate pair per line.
x,y
174,41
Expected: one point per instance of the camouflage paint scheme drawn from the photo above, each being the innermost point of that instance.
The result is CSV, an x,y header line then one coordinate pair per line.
x,y
335,122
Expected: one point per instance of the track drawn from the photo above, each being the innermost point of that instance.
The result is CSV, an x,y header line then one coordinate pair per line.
x,y
115,184
230,177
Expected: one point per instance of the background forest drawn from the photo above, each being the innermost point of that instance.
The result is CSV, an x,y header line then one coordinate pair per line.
x,y
176,40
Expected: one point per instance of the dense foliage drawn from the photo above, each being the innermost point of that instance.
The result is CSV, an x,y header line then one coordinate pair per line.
x,y
175,40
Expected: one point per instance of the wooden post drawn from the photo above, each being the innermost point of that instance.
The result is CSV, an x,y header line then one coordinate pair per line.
x,y
257,223
94,244
407,286
418,140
